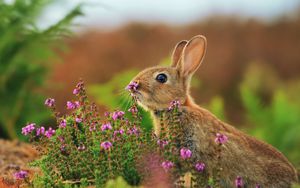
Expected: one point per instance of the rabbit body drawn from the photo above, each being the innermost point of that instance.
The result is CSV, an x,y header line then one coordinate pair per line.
x,y
242,155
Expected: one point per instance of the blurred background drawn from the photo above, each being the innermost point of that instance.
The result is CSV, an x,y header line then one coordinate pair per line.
x,y
250,77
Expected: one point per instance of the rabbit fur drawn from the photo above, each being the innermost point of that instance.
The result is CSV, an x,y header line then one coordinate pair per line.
x,y
242,155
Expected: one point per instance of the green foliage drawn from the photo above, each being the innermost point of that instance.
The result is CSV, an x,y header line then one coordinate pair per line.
x,y
216,106
277,124
113,90
87,149
116,98
277,121
25,55
296,186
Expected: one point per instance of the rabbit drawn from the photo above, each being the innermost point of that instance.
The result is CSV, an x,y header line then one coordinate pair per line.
x,y
258,163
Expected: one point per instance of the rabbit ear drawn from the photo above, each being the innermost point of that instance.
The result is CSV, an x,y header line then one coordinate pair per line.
x,y
193,55
177,52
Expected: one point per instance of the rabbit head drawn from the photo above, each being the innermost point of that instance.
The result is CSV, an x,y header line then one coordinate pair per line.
x,y
158,86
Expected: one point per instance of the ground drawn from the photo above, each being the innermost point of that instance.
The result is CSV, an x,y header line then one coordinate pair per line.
x,y
14,156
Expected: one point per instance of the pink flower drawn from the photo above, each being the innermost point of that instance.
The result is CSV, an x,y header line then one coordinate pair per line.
x,y
50,132
76,104
106,145
221,139
71,105
133,110
76,91
200,167
106,126
50,102
63,123
126,122
117,115
106,114
185,153
40,131
121,131
167,165
21,175
92,127
132,86
162,143
28,128
257,186
78,120
174,104
61,139
63,148
133,130
80,85
239,182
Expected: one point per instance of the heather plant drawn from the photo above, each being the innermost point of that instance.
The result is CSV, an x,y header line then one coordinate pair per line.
x,y
85,148
88,149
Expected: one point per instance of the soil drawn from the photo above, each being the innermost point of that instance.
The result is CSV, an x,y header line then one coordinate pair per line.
x,y
15,156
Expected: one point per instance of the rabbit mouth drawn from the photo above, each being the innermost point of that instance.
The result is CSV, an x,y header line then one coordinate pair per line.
x,y
140,99
138,95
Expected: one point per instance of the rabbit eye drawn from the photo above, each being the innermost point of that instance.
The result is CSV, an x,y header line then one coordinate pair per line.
x,y
162,78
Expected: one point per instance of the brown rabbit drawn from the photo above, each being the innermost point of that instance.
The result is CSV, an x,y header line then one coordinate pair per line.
x,y
242,155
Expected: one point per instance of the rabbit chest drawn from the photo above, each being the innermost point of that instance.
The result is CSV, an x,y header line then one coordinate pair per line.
x,y
190,131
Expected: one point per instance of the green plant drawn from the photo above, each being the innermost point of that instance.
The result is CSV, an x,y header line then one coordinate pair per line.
x,y
87,149
216,106
296,186
277,123
26,52
277,120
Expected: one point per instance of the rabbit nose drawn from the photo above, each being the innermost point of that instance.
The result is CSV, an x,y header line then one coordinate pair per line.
x,y
138,84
